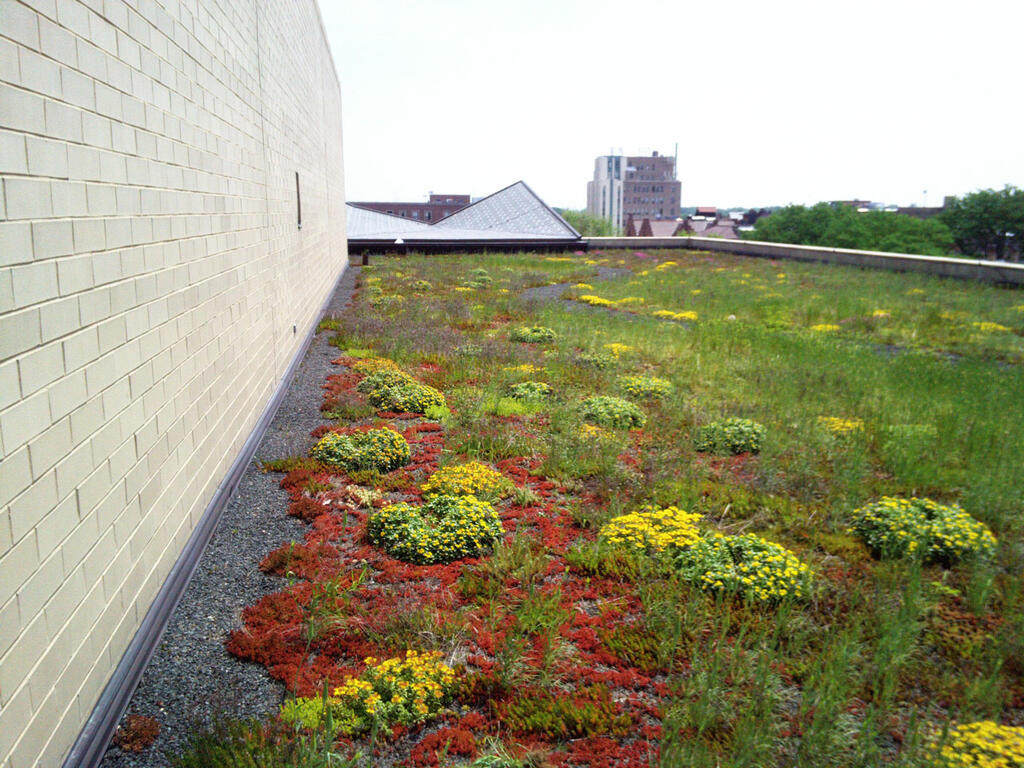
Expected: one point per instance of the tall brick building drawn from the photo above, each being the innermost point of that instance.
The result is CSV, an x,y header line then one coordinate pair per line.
x,y
158,275
436,208
638,186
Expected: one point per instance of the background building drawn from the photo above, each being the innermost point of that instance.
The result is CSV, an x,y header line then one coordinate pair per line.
x,y
436,208
638,186
158,274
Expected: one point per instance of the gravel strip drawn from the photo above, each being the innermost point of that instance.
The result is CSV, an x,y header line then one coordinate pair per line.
x,y
191,678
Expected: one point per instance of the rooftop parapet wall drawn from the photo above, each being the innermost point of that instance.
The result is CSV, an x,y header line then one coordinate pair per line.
x,y
941,266
154,287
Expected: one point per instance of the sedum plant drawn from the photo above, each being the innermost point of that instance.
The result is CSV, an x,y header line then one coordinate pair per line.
x,y
754,568
380,450
399,691
985,743
535,334
895,527
608,411
652,529
646,387
445,529
730,436
472,479
530,390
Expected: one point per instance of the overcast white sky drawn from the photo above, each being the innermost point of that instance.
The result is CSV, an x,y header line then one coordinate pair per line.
x,y
770,102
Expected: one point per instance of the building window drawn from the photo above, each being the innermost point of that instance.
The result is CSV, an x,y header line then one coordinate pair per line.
x,y
298,202
427,215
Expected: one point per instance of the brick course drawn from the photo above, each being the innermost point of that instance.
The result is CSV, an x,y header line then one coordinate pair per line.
x,y
151,274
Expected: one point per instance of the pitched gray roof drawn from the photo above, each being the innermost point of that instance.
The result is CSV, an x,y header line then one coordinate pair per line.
x,y
513,213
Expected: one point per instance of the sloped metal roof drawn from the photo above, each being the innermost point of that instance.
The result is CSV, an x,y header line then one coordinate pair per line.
x,y
510,215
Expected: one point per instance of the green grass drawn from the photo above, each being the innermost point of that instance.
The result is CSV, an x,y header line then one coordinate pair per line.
x,y
938,404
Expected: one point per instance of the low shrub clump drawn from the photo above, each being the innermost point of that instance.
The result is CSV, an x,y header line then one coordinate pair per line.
x,y
371,365
748,566
651,529
530,390
840,426
392,389
607,411
379,450
472,479
983,743
535,334
730,436
894,527
445,529
392,692
600,360
646,387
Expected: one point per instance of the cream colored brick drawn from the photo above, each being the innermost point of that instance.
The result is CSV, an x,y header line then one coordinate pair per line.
x,y
72,470
34,283
15,716
73,589
38,73
40,367
94,306
24,420
74,274
27,198
31,506
75,17
80,349
15,242
86,419
39,588
13,156
68,198
15,565
89,235
101,197
51,238
7,302
78,544
15,477
67,394
46,157
19,331
50,447
10,624
9,70
10,386
63,122
93,488
57,43
20,23
59,318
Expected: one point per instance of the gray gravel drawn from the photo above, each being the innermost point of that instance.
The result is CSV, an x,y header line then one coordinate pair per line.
x,y
551,292
191,678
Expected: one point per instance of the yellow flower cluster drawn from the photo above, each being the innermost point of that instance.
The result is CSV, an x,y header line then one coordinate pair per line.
x,y
894,527
445,529
915,292
646,387
584,286
630,300
400,690
747,565
653,529
373,365
378,449
594,432
825,327
983,744
840,426
472,479
880,313
667,314
595,301
987,327
1019,307
664,265
617,349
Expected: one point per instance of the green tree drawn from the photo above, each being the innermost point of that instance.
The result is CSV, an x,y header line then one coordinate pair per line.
x,y
985,222
839,226
589,225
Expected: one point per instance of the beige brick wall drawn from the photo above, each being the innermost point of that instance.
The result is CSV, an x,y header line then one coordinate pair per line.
x,y
154,287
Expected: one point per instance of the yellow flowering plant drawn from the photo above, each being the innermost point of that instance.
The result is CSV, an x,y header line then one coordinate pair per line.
x,y
445,529
472,479
607,411
652,529
536,334
840,426
381,450
403,691
369,365
895,527
646,387
392,389
983,744
748,566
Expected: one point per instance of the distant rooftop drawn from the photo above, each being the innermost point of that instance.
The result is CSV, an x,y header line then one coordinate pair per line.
x,y
513,216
